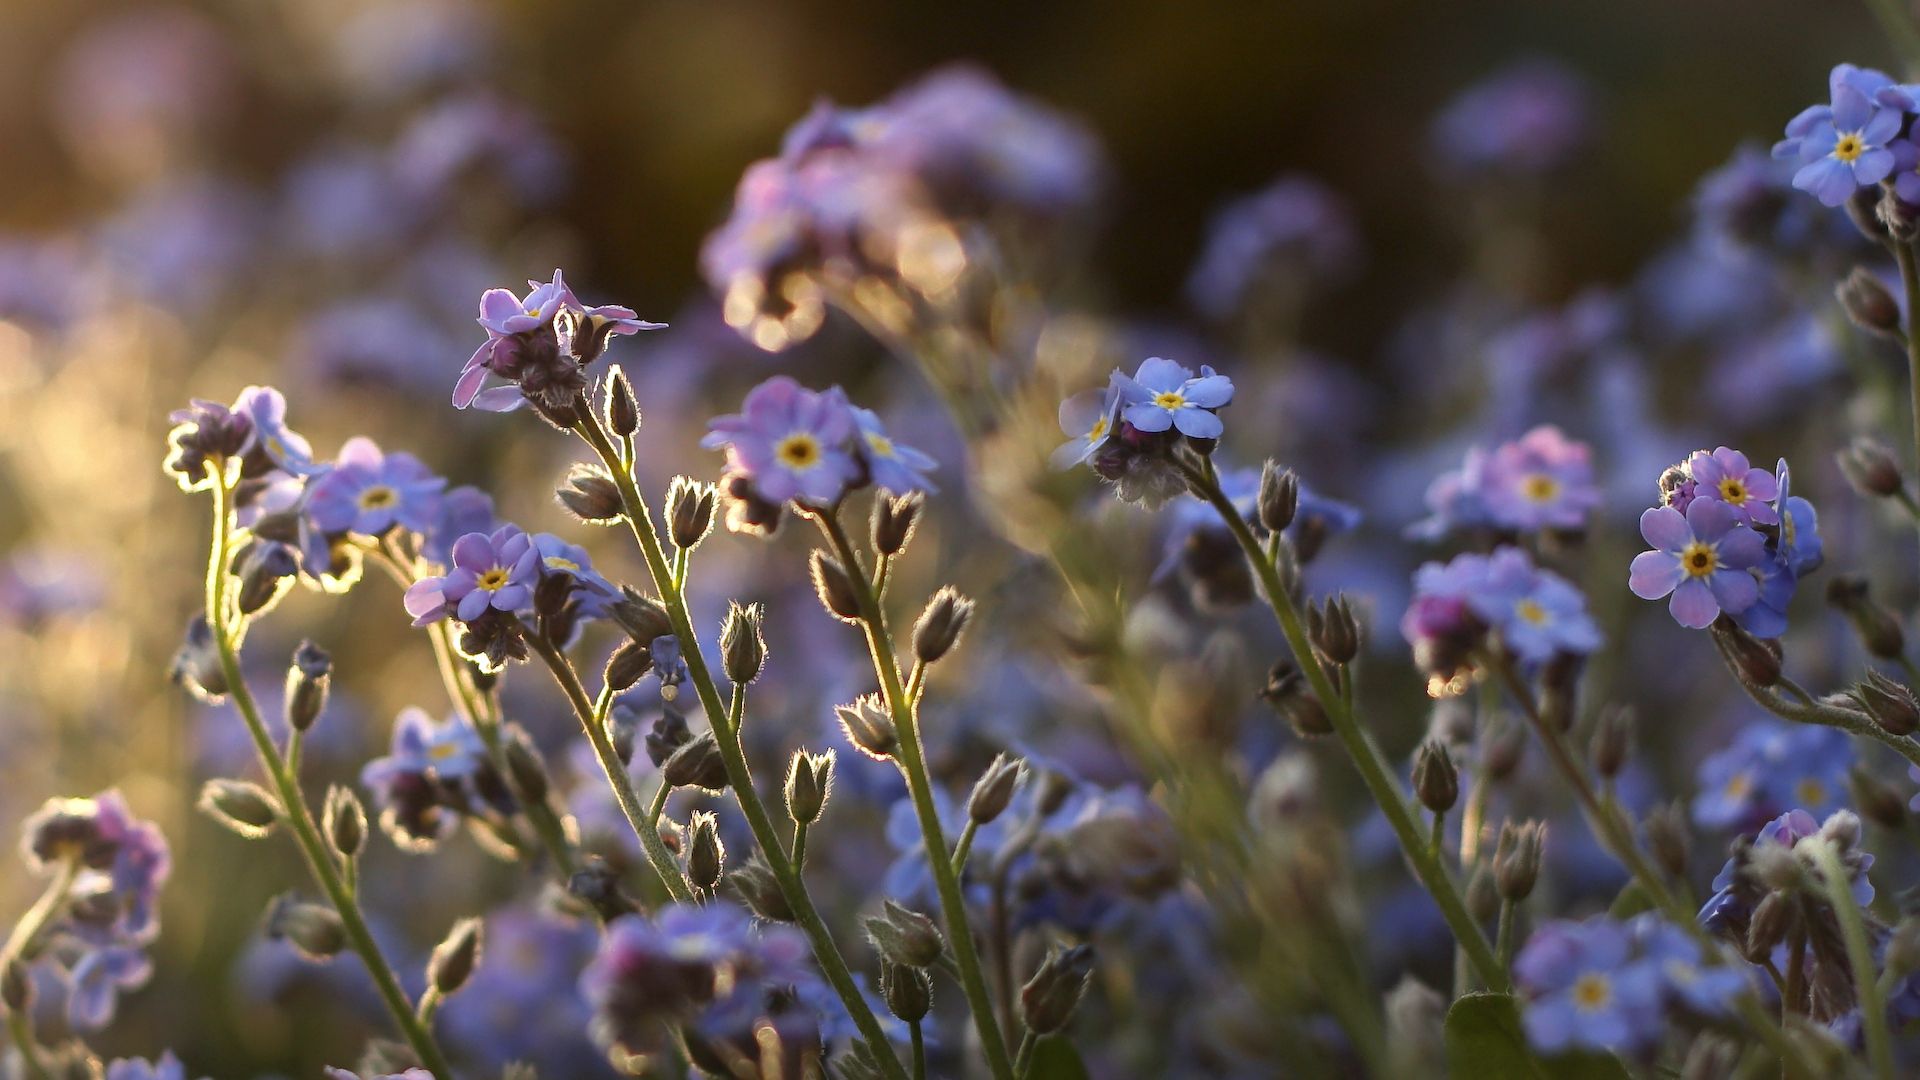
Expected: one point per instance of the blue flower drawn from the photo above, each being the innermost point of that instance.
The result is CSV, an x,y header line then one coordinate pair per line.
x,y
1587,990
267,409
1686,974
1701,558
1770,768
167,1068
1163,394
369,492
1090,417
789,442
1537,613
1844,147
496,571
892,466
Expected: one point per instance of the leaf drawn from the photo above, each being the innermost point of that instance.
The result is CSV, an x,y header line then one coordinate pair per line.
x,y
1056,1059
1632,901
1485,1041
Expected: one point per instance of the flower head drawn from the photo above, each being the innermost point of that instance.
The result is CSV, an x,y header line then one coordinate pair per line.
x,y
1701,558
1538,614
1770,768
1090,418
541,344
491,571
1843,146
1724,475
1588,989
892,466
789,442
369,492
1163,394
435,772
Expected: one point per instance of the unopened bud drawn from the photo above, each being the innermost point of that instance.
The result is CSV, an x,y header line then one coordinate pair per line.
x,y
454,959
308,679
243,807
630,660
1777,867
1842,830
1753,661
525,767
809,781
1049,999
834,588
16,986
345,822
697,763
894,520
743,651
908,991
995,788
1772,917
868,727
1669,840
1286,690
1279,497
941,624
1612,740
265,570
598,885
1334,630
590,495
1868,303
1516,861
1502,751
315,932
1879,629
1436,780
1872,469
623,412
1483,896
756,885
642,617
905,936
706,855
689,512
1878,801
1890,704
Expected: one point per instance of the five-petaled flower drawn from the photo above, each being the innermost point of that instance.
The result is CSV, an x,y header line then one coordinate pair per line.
x,y
496,571
1164,394
790,442
1702,558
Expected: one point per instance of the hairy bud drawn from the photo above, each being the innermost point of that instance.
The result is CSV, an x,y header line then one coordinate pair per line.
x,y
941,624
1753,661
1868,303
1872,469
345,822
894,520
697,763
525,767
1516,861
1334,630
834,587
1279,497
1668,838
809,782
1049,999
905,936
308,679
868,727
1502,751
630,660
598,885
1436,780
455,958
743,652
1483,896
243,807
706,855
623,412
908,991
689,512
315,931
590,495
1878,801
757,887
16,986
1772,918
1890,704
1879,629
642,617
1612,740
995,788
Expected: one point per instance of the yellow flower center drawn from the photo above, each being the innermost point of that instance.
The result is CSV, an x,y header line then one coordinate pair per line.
x,y
378,497
1592,992
1699,559
1810,792
1530,610
493,580
1733,491
1098,431
798,451
555,562
1540,488
442,751
1738,787
881,445
1169,399
1849,146
1681,972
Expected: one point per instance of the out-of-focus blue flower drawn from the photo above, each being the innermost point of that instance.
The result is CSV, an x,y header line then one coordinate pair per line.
x,y
1538,614
1794,549
1090,417
789,442
1770,768
434,772
1701,558
1313,514
369,492
496,571
892,466
523,1003
1690,981
1587,989
1164,394
1296,235
463,510
167,1068
1542,480
267,409
1528,120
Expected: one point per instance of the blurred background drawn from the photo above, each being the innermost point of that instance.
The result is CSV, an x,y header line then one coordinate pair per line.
x,y
201,196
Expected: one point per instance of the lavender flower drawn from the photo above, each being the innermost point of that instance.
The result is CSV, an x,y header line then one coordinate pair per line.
x,y
1294,235
1090,418
1542,480
167,1068
1724,475
1701,558
1844,146
496,571
892,466
540,343
369,492
1163,394
1586,988
1770,768
1538,614
788,442
1530,119
434,773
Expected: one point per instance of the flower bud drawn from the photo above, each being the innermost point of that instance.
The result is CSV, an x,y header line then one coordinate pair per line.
x,y
1872,469
1777,867
1879,629
630,660
1516,860
1049,999
16,986
525,767
697,763
1868,304
1753,661
743,652
1890,704
834,587
1435,778
756,886
868,727
455,958
1287,692
1878,802
623,412
1901,221
908,991
1279,497
266,571
1612,740
689,512
809,781
1772,917
1669,840
995,788
1483,897
1502,750
941,624
345,822
642,617
1863,209
308,680
243,807
1334,631
706,855
314,931
894,520
1842,830
905,936
590,495
598,885
196,665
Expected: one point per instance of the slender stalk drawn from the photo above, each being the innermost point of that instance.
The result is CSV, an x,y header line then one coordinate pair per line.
x,y
964,846
726,726
1023,1062
1366,758
1503,941
21,1026
920,786
799,846
1910,275
919,1051
648,833
293,801
20,942
1853,929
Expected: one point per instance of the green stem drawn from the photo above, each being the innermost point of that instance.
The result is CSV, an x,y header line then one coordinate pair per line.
x,y
1365,756
662,860
792,887
1853,929
799,847
22,1028
293,801
964,846
1503,941
920,786
1023,1062
1910,277
919,1051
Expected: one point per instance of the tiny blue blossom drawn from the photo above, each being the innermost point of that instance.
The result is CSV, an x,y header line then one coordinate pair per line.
x,y
1163,394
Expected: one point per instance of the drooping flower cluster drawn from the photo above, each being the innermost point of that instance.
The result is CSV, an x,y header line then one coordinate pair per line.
x,y
708,973
436,775
1855,141
498,579
1128,431
1727,538
109,914
541,344
791,444
1609,985
1536,615
1540,481
1770,768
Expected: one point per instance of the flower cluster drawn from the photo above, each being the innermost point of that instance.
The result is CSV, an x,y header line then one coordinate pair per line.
x,y
1534,614
501,578
1856,140
1540,481
1770,768
1293,236
435,775
541,344
1129,431
1604,984
1727,538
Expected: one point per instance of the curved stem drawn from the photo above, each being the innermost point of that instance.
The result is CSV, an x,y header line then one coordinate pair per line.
x,y
727,734
299,816
1431,870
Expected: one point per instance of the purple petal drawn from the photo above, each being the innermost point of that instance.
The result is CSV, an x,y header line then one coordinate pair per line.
x,y
1693,605
1734,589
1711,519
1148,417
1197,423
1654,574
1211,392
473,552
1665,528
473,605
1872,167
1158,373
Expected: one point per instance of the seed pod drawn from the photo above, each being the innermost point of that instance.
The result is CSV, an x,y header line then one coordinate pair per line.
x,y
623,412
868,727
743,652
697,763
1516,860
809,781
894,520
243,807
834,588
706,855
908,991
905,936
1868,303
1878,802
1872,469
995,788
941,624
689,512
315,932
455,958
1050,997
1754,662
344,821
642,617
755,884
1436,780
308,679
1279,498
598,885
591,495
1612,740
629,661
1483,897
